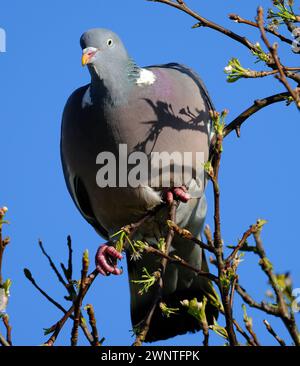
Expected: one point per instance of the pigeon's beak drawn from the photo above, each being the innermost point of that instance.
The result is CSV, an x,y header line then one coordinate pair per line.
x,y
88,55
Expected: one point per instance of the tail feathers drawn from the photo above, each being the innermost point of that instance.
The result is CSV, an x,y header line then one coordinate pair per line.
x,y
162,327
180,323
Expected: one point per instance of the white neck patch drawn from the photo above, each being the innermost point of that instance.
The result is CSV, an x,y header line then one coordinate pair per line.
x,y
146,77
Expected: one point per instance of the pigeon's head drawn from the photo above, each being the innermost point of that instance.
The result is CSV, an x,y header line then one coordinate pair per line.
x,y
102,49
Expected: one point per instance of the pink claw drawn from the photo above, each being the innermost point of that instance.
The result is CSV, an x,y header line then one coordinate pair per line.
x,y
179,192
169,197
105,257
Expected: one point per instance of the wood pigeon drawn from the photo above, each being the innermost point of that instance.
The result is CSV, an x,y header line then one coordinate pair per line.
x,y
161,109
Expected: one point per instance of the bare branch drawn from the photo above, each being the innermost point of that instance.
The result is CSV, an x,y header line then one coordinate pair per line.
x,y
5,320
273,50
203,22
256,106
181,262
92,319
56,304
283,311
52,264
274,334
188,235
79,299
272,310
238,19
244,334
3,341
57,327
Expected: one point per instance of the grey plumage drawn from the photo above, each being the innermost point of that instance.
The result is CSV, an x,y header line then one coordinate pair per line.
x,y
169,112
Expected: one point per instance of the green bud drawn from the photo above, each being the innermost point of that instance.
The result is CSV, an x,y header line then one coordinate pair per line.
x,y
221,331
167,312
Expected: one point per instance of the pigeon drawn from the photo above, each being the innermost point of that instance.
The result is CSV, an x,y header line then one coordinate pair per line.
x,y
127,110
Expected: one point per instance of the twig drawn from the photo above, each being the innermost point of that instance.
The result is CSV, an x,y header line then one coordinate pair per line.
x,y
79,299
3,341
5,320
92,319
283,312
56,304
252,74
68,272
224,286
243,333
205,334
3,242
70,260
238,19
254,304
181,262
188,235
56,328
257,106
273,50
131,229
207,23
241,243
52,264
274,334
253,334
141,336
249,326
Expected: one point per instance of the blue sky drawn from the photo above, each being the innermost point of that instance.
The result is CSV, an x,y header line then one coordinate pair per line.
x,y
259,177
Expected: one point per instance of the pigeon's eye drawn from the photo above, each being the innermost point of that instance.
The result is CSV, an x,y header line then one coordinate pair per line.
x,y
109,42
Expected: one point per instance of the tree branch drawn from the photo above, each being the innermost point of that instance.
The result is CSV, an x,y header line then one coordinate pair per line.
x,y
203,22
5,320
141,336
255,107
92,319
274,334
181,262
238,19
273,50
79,299
57,327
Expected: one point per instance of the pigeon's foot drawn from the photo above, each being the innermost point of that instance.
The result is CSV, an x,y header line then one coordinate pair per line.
x,y
106,260
179,193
